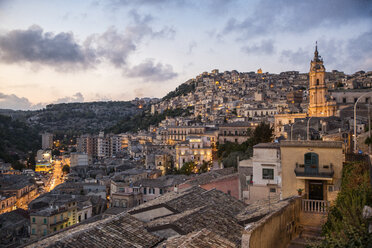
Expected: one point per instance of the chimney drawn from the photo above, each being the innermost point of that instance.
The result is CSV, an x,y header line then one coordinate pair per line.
x,y
175,188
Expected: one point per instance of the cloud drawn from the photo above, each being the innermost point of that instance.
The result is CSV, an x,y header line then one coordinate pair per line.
x,y
192,45
149,71
63,52
356,53
111,46
156,3
360,47
14,102
266,47
17,103
36,46
78,97
299,57
293,16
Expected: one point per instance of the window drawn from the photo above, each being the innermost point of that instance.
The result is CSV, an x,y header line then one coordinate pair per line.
x,y
45,220
61,216
151,191
145,191
272,190
331,188
45,232
229,192
33,231
62,226
55,229
311,162
317,82
161,191
268,174
85,216
33,220
344,99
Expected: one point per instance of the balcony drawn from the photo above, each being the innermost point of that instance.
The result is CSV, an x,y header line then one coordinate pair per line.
x,y
59,221
315,206
324,172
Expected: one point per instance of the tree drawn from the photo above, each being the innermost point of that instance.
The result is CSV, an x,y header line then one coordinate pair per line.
x,y
262,134
56,152
31,163
205,166
368,141
229,152
66,169
345,226
188,168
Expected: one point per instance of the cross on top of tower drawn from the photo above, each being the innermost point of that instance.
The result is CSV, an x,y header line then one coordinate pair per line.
x,y
316,53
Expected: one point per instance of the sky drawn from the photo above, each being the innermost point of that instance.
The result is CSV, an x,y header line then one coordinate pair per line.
x,y
79,51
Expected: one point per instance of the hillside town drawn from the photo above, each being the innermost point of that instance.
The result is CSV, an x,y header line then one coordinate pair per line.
x,y
256,161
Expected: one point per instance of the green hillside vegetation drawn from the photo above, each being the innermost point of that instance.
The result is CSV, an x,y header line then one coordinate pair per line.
x,y
181,90
346,226
74,119
17,140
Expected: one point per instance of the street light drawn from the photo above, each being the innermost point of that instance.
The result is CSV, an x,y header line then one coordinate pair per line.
x,y
293,125
308,128
355,116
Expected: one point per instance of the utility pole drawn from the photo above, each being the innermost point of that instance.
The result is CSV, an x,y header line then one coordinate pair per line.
x,y
369,129
355,122
308,129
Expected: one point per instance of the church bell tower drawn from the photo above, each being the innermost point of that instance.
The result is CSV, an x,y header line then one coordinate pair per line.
x,y
320,104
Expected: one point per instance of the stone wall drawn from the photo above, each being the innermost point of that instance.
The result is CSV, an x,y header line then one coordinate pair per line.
x,y
276,229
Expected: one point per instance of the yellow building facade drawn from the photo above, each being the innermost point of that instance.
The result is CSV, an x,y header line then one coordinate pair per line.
x,y
319,105
47,221
312,166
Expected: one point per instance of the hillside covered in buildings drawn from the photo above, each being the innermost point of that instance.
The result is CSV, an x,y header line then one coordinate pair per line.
x,y
227,159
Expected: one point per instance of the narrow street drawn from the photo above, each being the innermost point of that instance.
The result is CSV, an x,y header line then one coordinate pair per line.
x,y
56,178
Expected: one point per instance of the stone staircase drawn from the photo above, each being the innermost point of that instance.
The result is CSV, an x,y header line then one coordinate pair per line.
x,y
308,235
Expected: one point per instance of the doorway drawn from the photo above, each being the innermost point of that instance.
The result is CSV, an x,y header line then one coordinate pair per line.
x,y
316,190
